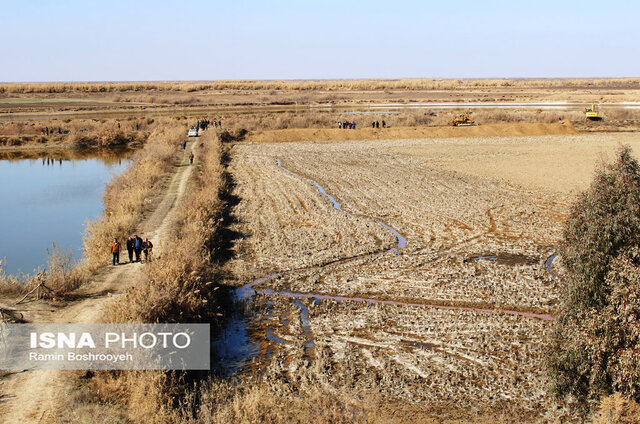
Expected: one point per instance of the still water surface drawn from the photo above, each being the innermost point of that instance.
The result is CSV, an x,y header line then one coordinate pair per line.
x,y
47,198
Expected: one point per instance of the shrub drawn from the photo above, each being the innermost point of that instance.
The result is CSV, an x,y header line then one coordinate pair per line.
x,y
615,409
603,223
595,345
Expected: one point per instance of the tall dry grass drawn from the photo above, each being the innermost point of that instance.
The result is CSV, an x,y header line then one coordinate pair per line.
x,y
179,286
616,409
315,85
80,133
58,279
131,194
221,402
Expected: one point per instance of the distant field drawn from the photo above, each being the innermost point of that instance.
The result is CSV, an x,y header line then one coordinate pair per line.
x,y
552,163
14,100
419,98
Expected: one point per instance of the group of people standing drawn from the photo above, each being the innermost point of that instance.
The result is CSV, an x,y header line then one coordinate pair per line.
x,y
376,124
135,245
347,125
203,124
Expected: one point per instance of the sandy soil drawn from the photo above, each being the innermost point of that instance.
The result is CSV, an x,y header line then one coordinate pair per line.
x,y
456,321
562,164
36,396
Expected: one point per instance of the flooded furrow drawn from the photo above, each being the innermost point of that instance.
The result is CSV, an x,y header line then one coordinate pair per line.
x,y
374,301
548,264
402,241
244,295
234,347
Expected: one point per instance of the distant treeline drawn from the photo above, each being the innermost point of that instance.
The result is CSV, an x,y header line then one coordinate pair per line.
x,y
316,85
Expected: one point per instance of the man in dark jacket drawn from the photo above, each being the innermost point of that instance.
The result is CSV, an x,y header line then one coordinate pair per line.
x,y
137,246
130,243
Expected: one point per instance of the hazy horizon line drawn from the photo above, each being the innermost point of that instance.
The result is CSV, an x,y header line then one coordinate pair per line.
x,y
321,79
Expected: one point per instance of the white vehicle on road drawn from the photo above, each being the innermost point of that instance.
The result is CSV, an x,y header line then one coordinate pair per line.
x,y
193,132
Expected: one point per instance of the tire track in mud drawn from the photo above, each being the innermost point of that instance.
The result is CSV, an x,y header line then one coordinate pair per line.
x,y
245,293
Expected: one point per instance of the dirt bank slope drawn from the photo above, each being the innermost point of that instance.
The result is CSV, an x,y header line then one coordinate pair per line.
x,y
367,133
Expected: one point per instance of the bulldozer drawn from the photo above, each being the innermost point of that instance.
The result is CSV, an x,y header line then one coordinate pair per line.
x,y
462,120
592,113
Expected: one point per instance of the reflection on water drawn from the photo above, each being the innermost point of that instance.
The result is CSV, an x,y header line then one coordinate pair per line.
x,y
47,198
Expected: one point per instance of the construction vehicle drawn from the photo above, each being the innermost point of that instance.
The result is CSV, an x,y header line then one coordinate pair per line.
x,y
592,113
462,120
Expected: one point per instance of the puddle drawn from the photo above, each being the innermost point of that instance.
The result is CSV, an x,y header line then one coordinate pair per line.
x,y
234,347
505,259
321,189
304,321
402,242
336,205
245,292
270,336
548,264
423,345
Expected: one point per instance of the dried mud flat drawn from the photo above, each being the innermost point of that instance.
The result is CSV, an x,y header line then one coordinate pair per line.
x,y
454,322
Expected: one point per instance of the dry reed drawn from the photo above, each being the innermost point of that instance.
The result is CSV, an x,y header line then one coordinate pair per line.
x,y
131,194
315,85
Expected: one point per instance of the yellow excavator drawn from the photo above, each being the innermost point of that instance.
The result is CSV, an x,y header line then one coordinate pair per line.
x,y
462,120
592,113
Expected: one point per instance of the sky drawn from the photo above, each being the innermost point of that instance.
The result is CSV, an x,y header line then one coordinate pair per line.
x,y
96,40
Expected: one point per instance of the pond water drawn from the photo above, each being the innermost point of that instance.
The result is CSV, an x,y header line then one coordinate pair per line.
x,y
47,198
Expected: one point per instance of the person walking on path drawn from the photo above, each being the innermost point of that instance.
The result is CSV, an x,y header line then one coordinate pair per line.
x,y
137,246
184,144
191,158
115,251
148,248
130,243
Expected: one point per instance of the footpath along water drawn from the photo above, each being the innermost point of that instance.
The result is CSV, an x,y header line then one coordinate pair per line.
x,y
47,198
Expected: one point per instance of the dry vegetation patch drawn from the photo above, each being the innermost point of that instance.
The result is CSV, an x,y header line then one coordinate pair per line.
x,y
129,196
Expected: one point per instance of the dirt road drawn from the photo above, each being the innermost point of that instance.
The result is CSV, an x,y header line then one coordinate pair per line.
x,y
454,322
33,396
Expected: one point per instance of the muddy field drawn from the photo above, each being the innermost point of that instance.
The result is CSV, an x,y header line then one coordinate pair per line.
x,y
398,270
